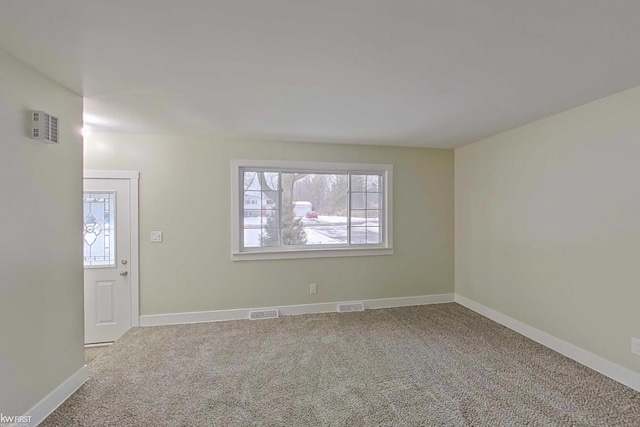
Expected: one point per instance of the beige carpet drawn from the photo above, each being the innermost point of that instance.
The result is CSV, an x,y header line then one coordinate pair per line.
x,y
438,365
91,353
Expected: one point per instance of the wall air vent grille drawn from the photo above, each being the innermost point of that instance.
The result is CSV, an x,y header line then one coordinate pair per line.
x,y
44,127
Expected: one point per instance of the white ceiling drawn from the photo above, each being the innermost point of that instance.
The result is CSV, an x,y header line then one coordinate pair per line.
x,y
433,73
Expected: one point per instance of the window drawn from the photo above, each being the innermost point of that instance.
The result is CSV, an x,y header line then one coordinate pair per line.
x,y
303,210
99,229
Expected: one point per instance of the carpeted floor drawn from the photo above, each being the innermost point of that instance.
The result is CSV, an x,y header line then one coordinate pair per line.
x,y
436,365
91,353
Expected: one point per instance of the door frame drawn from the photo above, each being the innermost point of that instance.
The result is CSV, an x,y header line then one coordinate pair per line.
x,y
134,274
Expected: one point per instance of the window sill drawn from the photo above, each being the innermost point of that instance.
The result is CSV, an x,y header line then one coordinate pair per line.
x,y
308,253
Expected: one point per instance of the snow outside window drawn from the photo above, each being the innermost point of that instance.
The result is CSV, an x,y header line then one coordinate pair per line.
x,y
302,210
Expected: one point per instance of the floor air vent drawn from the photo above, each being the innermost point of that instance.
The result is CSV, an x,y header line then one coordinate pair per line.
x,y
348,308
263,314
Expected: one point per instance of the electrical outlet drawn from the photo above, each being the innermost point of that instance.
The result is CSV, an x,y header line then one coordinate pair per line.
x,y
635,346
313,288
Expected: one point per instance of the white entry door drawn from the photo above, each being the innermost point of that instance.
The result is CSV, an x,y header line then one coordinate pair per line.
x,y
107,259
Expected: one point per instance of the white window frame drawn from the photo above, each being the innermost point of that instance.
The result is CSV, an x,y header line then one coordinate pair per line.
x,y
316,251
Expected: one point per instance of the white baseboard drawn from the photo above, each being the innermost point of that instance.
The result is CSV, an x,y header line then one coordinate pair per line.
x,y
288,310
57,397
580,355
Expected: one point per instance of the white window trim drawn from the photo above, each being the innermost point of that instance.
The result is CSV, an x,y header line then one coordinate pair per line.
x,y
237,198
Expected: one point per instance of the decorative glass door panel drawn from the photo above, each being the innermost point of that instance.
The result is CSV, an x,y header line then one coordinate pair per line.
x,y
99,229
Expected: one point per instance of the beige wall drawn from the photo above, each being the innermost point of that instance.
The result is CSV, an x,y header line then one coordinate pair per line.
x,y
41,321
548,225
185,191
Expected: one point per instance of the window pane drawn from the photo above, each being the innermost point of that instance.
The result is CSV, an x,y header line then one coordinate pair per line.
x,y
358,182
294,208
358,200
326,224
271,180
257,181
373,235
99,229
374,183
252,217
270,237
293,232
326,234
373,216
252,200
250,181
358,217
260,208
318,208
358,235
374,200
260,195
254,222
252,237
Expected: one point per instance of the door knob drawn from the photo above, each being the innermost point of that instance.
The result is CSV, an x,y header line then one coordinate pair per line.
x,y
124,273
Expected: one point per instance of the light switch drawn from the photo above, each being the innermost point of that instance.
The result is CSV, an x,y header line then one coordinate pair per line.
x,y
156,236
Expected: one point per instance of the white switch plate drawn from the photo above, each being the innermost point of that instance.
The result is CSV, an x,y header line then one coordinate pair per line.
x,y
635,346
312,288
156,236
